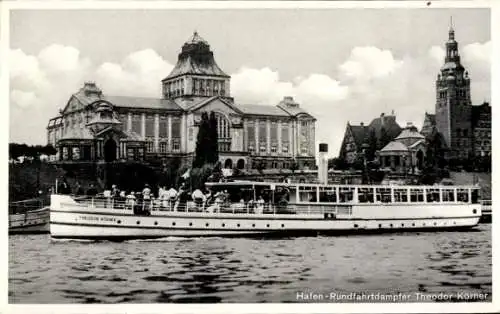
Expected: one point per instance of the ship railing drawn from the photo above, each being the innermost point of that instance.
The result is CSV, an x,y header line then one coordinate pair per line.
x,y
156,206
21,207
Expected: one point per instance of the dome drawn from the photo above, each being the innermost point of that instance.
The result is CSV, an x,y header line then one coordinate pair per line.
x,y
410,132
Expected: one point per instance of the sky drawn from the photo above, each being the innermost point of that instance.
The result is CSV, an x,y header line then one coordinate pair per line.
x,y
341,65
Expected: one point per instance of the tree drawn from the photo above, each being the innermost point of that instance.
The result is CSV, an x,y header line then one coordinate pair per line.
x,y
337,163
202,142
372,145
213,154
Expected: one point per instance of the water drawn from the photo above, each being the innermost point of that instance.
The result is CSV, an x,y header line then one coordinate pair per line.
x,y
42,270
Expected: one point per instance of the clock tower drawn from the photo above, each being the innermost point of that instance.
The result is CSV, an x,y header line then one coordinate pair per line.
x,y
453,102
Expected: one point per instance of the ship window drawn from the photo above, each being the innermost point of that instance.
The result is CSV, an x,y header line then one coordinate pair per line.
x,y
475,196
383,195
327,194
416,195
448,195
432,195
365,195
400,195
346,194
307,194
463,195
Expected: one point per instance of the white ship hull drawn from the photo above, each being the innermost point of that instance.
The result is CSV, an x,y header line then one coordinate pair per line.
x,y
34,221
70,220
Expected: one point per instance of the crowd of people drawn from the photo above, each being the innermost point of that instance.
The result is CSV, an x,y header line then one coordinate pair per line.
x,y
166,198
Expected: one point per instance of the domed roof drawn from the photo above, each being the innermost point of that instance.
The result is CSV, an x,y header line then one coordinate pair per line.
x,y
410,132
395,147
196,58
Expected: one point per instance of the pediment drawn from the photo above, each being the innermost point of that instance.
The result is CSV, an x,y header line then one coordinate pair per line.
x,y
216,104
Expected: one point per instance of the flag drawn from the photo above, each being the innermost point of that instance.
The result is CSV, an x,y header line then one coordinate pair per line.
x,y
186,174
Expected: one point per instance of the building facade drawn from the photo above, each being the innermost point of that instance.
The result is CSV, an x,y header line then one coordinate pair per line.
x,y
97,127
406,153
481,127
358,137
453,103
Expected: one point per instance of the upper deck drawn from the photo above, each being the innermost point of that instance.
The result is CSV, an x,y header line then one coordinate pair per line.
x,y
306,193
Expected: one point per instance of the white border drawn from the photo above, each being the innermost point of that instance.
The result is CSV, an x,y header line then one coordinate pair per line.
x,y
5,8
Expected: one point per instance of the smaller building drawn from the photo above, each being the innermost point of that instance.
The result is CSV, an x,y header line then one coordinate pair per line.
x,y
406,153
374,136
481,126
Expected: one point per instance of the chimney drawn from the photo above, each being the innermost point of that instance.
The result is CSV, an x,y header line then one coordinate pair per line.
x,y
382,119
323,164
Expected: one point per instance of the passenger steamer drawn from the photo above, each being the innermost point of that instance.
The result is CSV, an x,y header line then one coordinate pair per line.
x,y
245,208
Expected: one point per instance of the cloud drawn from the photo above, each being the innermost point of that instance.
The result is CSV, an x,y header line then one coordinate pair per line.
x,y
369,81
365,63
139,74
259,86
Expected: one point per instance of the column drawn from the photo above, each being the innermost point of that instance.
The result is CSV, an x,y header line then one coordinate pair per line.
x,y
129,121
169,134
183,133
157,132
299,138
279,137
290,139
257,144
143,125
245,134
268,136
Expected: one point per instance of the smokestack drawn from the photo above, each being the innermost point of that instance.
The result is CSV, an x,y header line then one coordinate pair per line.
x,y
323,164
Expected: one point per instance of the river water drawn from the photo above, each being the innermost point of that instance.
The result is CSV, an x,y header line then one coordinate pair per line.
x,y
442,266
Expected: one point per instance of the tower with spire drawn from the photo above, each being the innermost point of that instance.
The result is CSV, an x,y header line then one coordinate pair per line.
x,y
453,101
196,73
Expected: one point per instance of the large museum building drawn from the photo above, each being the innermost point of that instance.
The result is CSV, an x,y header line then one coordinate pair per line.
x,y
95,126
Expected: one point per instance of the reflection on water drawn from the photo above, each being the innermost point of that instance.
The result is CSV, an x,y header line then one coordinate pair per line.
x,y
247,270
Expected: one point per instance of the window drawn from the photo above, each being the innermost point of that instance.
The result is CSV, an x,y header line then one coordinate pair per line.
x,y
190,133
176,144
163,146
448,195
401,195
432,195
150,126
150,145
163,127
176,127
75,153
262,137
251,136
463,195
274,147
285,146
475,196
383,195
307,194
327,194
137,124
346,194
365,195
416,195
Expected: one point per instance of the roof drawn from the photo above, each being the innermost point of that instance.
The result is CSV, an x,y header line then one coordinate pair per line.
x,y
196,58
77,133
142,102
410,132
266,110
388,122
289,105
416,143
360,133
395,146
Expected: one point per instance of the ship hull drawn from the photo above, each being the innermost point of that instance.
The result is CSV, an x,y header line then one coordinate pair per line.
x,y
75,222
31,222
